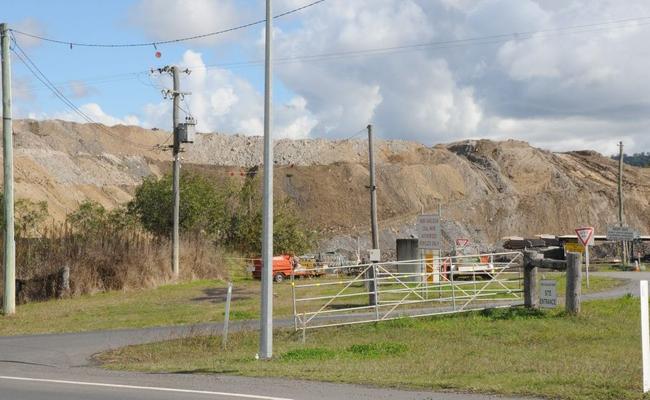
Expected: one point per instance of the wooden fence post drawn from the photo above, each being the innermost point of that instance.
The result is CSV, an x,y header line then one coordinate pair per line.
x,y
573,283
531,295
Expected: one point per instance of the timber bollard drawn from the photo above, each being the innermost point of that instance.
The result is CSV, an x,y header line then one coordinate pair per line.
x,y
531,295
573,283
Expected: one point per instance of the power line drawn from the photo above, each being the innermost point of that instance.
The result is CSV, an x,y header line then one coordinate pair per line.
x,y
483,40
162,42
38,73
479,40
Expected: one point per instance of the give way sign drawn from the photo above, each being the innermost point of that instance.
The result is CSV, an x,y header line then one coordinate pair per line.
x,y
462,243
586,236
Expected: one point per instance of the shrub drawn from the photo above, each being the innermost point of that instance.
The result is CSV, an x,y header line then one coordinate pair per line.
x,y
229,215
203,205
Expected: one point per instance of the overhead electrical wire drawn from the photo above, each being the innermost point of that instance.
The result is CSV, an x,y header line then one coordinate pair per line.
x,y
481,40
38,73
163,42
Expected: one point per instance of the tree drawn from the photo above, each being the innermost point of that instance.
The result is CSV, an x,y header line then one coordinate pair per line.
x,y
203,205
290,235
226,213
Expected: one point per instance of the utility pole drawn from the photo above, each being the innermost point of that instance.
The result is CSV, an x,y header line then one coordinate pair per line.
x,y
620,199
176,175
371,276
183,133
9,301
373,190
266,320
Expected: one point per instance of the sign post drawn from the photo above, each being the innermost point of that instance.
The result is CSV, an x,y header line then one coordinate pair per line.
x,y
586,237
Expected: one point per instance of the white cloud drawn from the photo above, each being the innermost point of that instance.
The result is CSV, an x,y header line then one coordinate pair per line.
x,y
223,102
411,94
168,19
32,26
93,111
22,89
571,133
79,89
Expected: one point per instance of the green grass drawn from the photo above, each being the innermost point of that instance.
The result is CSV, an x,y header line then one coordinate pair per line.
x,y
183,303
596,283
509,351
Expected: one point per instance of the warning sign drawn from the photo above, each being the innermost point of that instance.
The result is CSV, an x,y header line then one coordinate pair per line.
x,y
586,236
461,243
428,227
574,248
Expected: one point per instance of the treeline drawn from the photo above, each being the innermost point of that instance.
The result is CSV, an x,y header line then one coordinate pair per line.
x,y
637,159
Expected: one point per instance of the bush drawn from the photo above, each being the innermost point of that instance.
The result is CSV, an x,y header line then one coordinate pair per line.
x,y
203,205
229,215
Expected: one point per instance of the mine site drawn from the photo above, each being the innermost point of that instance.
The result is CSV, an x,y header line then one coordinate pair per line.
x,y
365,199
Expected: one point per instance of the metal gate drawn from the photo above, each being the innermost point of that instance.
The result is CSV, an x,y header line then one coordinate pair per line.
x,y
359,294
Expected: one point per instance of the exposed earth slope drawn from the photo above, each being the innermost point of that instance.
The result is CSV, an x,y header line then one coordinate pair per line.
x,y
487,189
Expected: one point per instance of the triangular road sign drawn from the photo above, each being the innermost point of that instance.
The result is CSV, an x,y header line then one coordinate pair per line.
x,y
462,242
585,235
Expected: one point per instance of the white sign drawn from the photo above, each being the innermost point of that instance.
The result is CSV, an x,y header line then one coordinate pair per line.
x,y
620,233
374,255
462,242
547,294
428,228
586,236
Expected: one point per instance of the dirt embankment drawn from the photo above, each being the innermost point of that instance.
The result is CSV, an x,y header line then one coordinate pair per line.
x,y
486,189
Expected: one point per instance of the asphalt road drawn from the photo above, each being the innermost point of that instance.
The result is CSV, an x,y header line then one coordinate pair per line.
x,y
60,366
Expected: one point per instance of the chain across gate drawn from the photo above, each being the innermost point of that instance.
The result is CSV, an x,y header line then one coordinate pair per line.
x,y
416,288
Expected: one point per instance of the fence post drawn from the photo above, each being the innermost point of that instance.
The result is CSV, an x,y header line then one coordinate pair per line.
x,y
375,284
226,317
293,300
573,282
531,295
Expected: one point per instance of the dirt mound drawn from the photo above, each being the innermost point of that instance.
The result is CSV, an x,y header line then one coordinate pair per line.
x,y
486,189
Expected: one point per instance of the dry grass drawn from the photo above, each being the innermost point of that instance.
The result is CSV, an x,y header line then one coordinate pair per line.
x,y
106,260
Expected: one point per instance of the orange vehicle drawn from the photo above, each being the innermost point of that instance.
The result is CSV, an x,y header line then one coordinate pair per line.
x,y
284,267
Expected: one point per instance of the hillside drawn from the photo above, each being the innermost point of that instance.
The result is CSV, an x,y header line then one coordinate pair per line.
x,y
487,189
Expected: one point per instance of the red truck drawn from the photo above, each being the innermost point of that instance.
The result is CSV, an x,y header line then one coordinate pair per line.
x,y
284,267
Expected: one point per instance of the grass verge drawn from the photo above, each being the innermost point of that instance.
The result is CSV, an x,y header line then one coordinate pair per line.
x,y
508,351
177,304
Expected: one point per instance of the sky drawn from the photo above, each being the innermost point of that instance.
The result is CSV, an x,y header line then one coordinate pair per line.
x,y
560,74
